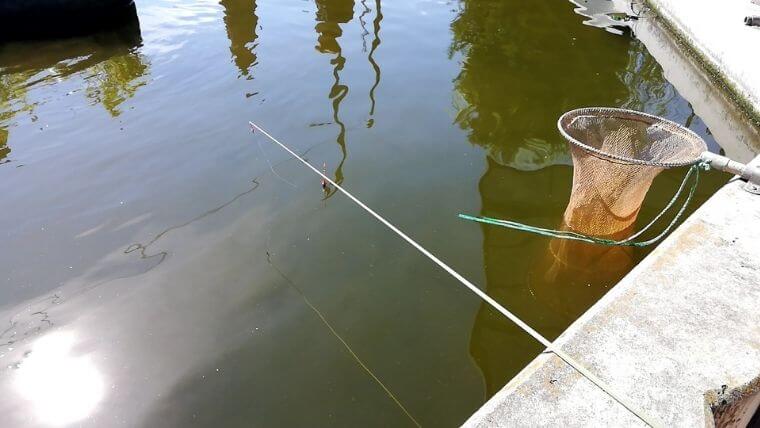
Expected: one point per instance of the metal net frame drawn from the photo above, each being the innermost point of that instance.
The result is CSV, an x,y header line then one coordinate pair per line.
x,y
686,147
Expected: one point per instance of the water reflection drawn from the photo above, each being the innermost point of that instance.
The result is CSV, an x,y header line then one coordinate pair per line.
x,y
108,63
509,95
330,14
371,58
4,149
614,16
241,23
534,197
13,100
115,80
649,91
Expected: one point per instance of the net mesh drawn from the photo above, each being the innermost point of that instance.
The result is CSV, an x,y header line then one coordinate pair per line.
x,y
616,155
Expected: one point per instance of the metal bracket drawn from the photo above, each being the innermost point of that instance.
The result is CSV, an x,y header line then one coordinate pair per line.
x,y
753,172
749,172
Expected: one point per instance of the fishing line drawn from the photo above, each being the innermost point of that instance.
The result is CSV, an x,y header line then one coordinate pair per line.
x,y
620,398
271,168
323,319
342,341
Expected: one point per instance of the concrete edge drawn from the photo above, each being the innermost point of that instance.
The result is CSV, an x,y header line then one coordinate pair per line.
x,y
686,40
518,380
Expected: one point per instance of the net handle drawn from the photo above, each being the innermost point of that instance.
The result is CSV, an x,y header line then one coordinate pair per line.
x,y
721,163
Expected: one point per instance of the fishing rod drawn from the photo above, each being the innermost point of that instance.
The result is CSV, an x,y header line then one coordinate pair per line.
x,y
550,346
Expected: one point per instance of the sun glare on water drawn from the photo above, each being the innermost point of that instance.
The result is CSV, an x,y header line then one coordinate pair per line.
x,y
63,388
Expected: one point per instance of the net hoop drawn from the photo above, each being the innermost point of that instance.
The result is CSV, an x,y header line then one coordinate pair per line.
x,y
630,115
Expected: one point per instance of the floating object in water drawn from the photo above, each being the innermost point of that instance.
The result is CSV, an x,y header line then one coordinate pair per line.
x,y
325,186
616,154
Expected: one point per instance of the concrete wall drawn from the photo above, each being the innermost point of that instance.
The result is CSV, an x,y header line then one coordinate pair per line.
x,y
716,34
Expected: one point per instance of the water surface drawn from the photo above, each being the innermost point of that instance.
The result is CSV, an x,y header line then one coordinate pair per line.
x,y
164,267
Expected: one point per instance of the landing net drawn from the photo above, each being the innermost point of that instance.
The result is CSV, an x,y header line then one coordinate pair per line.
x,y
617,153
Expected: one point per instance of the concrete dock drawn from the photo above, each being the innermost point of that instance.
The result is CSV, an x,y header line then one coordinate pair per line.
x,y
682,323
682,330
716,34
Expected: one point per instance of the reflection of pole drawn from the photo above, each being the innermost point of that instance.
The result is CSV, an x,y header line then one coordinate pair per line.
x,y
375,44
241,21
337,93
364,25
329,17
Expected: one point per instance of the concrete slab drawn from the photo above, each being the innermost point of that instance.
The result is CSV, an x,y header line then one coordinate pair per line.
x,y
683,322
717,33
726,121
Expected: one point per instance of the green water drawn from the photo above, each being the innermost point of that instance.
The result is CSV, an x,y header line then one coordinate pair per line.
x,y
167,268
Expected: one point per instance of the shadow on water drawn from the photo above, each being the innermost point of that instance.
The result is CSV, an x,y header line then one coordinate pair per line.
x,y
241,22
509,98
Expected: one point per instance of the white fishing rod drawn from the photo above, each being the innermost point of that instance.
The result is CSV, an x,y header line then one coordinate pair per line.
x,y
620,398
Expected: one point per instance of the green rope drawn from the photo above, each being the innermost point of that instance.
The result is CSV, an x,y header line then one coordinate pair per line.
x,y
627,242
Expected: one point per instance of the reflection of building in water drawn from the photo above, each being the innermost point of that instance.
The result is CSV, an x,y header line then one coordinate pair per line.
x,y
330,14
241,22
614,16
519,74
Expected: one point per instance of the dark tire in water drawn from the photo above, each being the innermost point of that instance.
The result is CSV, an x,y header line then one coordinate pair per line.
x,y
40,19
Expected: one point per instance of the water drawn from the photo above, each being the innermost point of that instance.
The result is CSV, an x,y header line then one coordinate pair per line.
x,y
162,266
